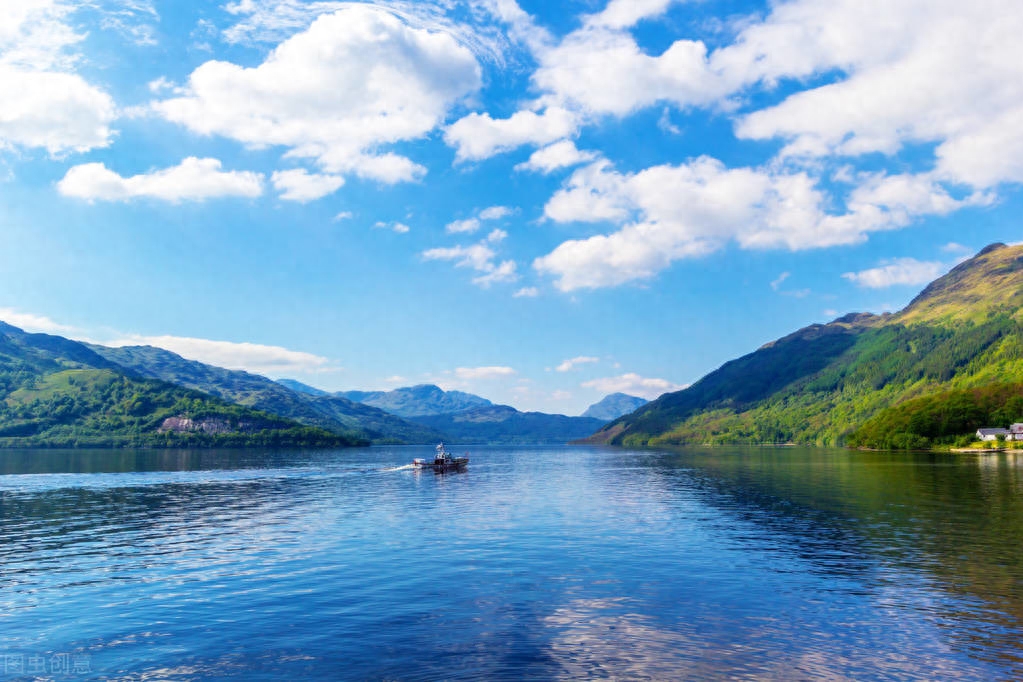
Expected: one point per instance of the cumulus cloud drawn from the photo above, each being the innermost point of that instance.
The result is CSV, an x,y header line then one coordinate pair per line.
x,y
191,180
44,103
569,365
467,226
527,292
273,361
30,322
495,213
479,136
556,156
479,257
354,81
398,228
667,213
300,185
475,373
896,272
633,384
919,71
470,225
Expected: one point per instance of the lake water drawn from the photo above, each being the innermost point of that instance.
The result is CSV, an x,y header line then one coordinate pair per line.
x,y
537,563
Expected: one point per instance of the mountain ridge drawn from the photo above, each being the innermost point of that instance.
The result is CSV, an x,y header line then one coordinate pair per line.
x,y
818,384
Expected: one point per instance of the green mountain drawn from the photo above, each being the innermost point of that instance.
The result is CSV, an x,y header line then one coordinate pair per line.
x,y
299,387
59,393
613,406
333,413
501,424
418,401
822,383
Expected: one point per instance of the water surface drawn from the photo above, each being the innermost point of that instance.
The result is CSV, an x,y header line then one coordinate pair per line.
x,y
541,563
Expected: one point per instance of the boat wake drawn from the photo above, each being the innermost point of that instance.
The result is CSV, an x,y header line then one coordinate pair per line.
x,y
401,468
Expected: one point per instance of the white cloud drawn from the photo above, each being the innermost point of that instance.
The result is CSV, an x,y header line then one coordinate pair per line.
x,y
896,272
475,373
569,365
667,213
298,184
33,323
495,213
467,226
626,13
665,124
776,284
352,82
478,136
479,257
43,103
553,157
496,236
633,384
598,70
955,248
470,225
272,361
527,292
193,179
917,71
505,271
398,228
343,215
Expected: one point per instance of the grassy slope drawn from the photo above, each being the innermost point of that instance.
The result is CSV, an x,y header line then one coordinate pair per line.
x,y
816,386
325,411
56,392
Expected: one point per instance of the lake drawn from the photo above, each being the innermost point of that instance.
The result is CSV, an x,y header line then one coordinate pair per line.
x,y
536,563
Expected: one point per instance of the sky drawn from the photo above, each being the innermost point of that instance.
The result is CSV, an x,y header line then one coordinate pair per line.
x,y
537,202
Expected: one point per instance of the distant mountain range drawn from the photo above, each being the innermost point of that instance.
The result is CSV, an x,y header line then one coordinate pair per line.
x,y
467,418
867,380
506,425
55,392
418,401
331,412
614,406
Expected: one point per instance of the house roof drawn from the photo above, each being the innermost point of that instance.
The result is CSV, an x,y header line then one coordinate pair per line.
x,y
992,432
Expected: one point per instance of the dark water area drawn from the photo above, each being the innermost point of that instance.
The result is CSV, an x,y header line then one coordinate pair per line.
x,y
535,563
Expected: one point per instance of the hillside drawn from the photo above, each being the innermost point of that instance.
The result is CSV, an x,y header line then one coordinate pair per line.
x,y
418,401
333,413
501,424
819,384
613,406
59,393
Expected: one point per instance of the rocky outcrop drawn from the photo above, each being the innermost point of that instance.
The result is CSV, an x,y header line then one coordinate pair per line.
x,y
211,426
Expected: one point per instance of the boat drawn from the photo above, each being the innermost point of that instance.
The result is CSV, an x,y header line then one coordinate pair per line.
x,y
442,461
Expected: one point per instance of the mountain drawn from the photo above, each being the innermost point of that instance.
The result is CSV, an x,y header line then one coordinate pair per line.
x,y
501,424
614,406
299,387
822,383
55,392
418,401
329,412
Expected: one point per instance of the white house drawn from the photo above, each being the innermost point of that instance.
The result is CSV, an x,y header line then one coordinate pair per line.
x,y
992,434
1017,431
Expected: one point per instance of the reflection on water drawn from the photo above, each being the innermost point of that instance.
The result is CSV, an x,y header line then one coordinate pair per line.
x,y
545,563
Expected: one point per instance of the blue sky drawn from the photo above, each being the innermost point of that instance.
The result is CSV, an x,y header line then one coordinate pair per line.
x,y
537,202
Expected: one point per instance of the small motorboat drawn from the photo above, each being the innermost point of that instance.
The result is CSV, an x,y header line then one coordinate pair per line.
x,y
442,461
